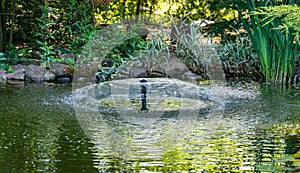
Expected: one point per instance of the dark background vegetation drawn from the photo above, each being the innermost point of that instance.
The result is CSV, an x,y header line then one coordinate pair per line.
x,y
31,33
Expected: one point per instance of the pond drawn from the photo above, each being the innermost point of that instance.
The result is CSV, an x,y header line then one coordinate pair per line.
x,y
240,128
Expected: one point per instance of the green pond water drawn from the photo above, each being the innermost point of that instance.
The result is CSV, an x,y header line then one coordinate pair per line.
x,y
257,129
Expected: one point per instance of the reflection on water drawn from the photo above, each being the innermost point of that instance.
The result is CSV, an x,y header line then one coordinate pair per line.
x,y
39,133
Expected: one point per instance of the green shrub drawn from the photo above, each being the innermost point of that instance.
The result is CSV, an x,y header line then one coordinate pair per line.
x,y
238,57
121,55
3,63
198,52
63,27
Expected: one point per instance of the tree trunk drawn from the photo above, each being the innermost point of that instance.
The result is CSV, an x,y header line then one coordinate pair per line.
x,y
7,8
151,7
1,35
138,5
12,25
1,29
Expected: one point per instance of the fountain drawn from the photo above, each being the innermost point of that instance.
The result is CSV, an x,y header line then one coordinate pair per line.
x,y
136,99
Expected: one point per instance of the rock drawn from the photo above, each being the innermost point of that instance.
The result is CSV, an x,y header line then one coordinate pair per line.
x,y
15,82
61,70
189,76
36,54
17,75
156,73
137,72
3,72
85,73
63,80
18,67
2,79
57,69
37,74
173,68
67,56
143,33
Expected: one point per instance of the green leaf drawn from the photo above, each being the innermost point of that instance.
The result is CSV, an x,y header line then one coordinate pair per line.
x,y
39,19
285,159
39,42
296,163
43,48
2,55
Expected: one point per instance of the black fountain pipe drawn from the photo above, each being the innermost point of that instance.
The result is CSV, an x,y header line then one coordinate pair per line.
x,y
144,95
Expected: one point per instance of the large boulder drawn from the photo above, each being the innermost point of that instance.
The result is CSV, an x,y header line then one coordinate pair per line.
x,y
2,76
17,75
85,73
3,72
57,69
173,68
37,74
138,72
63,73
18,67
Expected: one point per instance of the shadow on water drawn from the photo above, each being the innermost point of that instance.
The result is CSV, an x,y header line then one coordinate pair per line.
x,y
258,131
39,131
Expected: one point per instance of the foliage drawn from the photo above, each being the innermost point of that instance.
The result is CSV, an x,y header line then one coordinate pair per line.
x,y
18,56
115,11
197,51
13,56
51,27
64,27
238,57
224,13
192,49
202,9
44,36
127,47
276,51
121,56
288,13
74,31
79,26
18,23
3,64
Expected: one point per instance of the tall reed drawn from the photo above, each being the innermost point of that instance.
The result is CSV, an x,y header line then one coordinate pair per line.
x,y
277,50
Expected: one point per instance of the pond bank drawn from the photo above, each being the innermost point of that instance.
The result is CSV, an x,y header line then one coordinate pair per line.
x,y
57,72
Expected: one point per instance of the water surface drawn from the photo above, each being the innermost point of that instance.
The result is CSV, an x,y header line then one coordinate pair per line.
x,y
39,132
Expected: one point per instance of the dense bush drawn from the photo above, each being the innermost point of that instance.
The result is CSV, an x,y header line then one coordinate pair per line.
x,y
64,27
52,28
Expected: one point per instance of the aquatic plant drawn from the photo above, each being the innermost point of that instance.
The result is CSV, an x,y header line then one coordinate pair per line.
x,y
276,50
288,13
